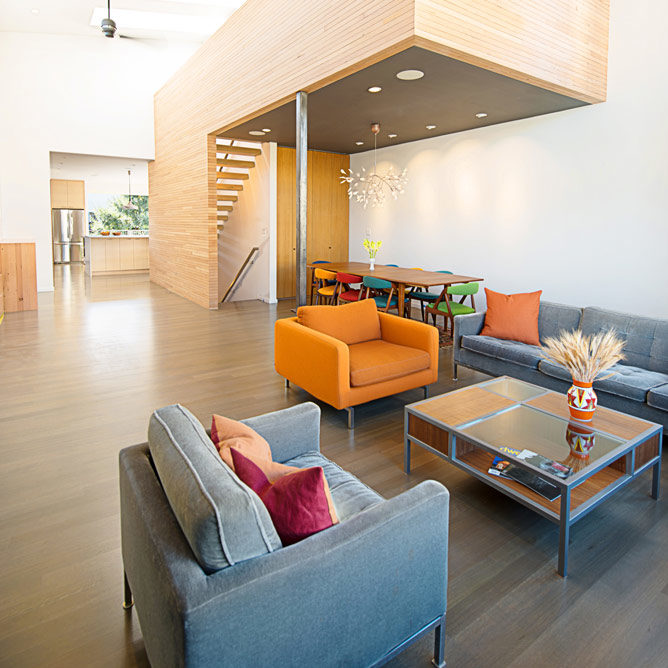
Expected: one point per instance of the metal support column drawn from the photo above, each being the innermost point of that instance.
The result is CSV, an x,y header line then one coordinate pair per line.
x,y
301,153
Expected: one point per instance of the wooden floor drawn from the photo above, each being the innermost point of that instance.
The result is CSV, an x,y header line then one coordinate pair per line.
x,y
79,380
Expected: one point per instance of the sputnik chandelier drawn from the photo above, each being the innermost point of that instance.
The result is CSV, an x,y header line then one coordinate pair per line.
x,y
369,188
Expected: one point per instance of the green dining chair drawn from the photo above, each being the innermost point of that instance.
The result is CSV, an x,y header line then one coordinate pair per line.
x,y
449,308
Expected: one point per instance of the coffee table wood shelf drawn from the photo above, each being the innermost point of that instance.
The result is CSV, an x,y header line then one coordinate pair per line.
x,y
468,426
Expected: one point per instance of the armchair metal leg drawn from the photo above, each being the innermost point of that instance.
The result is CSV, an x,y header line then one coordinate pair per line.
x,y
287,383
128,601
351,417
426,391
439,645
454,371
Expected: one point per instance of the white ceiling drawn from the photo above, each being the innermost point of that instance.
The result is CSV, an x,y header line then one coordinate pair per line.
x,y
200,18
102,174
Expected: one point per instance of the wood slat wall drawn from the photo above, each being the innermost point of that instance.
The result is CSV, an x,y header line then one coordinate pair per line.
x,y
263,55
559,45
268,50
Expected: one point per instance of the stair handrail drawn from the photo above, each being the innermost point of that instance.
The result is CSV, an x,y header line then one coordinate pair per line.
x,y
252,251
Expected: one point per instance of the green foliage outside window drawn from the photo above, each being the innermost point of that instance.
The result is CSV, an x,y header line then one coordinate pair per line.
x,y
115,217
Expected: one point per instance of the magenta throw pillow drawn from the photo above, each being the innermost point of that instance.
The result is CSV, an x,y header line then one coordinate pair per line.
x,y
297,502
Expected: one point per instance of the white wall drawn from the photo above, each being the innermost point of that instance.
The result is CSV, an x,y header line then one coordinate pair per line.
x,y
573,203
71,94
251,223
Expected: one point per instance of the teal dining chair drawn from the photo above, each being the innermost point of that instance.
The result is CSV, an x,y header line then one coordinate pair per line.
x,y
449,308
425,297
382,292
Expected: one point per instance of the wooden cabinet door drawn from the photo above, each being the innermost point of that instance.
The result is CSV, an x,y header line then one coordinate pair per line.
x,y
76,195
327,214
59,194
17,266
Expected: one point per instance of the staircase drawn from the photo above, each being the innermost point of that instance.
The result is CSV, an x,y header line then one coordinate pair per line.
x,y
234,160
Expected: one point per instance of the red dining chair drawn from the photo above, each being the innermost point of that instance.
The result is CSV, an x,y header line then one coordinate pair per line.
x,y
344,291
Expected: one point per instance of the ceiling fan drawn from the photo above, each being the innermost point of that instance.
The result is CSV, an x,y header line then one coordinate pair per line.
x,y
108,25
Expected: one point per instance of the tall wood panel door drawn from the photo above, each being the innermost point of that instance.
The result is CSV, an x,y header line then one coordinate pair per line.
x,y
327,214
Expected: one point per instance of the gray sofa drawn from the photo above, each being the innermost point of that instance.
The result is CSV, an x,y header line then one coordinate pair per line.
x,y
638,386
213,586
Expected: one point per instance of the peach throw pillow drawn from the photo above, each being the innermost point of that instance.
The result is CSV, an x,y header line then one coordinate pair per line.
x,y
513,317
227,433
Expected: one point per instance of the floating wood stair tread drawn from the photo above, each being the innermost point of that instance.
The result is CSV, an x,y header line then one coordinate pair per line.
x,y
231,162
228,198
225,207
239,176
238,150
229,186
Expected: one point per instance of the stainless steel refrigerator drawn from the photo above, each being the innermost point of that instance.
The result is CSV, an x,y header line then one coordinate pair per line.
x,y
68,231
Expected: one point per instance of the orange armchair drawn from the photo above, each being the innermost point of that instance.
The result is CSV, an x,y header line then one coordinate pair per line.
x,y
348,355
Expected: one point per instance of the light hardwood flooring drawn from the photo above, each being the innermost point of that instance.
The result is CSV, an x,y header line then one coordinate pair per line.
x,y
79,379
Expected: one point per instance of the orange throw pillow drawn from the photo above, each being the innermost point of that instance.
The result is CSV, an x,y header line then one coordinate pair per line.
x,y
513,317
227,434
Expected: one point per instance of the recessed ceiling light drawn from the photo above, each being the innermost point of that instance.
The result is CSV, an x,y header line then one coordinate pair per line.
x,y
266,129
374,89
410,75
481,114
34,10
256,133
359,143
430,127
392,136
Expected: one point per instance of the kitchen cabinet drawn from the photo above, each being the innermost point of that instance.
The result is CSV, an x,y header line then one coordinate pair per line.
x,y
19,275
68,194
113,255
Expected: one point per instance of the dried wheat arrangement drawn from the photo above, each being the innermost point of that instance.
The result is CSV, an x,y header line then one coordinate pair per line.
x,y
584,356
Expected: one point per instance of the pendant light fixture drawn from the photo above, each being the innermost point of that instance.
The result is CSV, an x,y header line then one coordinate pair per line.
x,y
130,206
369,188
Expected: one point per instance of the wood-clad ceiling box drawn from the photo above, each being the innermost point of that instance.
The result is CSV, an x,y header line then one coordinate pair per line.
x,y
526,57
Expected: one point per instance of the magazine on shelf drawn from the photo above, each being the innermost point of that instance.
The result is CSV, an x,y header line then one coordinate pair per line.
x,y
544,464
532,481
498,467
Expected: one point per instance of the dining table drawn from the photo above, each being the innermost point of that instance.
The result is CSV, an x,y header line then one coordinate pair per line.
x,y
400,277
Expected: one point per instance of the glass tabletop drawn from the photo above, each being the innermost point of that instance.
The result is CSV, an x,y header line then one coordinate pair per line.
x,y
553,439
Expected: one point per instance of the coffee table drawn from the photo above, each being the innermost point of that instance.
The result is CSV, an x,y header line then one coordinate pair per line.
x,y
467,427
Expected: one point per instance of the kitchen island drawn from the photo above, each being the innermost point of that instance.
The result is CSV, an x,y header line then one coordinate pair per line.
x,y
115,255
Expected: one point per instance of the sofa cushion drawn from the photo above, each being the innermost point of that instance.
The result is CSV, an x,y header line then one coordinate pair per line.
x,y
630,382
297,502
351,323
510,351
657,397
350,495
513,317
646,338
222,519
376,361
556,318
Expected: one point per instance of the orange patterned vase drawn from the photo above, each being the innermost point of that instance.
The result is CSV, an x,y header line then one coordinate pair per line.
x,y
581,401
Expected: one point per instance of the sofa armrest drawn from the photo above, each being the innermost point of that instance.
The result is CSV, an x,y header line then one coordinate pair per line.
x,y
404,332
316,362
466,324
290,432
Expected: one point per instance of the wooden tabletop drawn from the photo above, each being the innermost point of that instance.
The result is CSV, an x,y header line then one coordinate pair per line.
x,y
396,274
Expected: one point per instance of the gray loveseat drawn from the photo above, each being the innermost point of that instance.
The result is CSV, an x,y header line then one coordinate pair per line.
x,y
638,386
213,585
